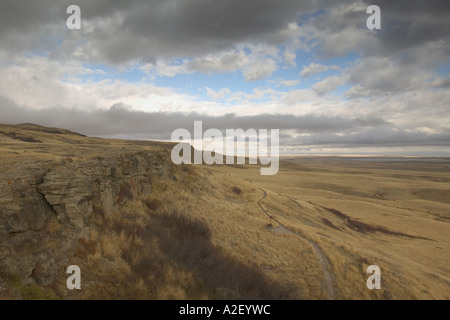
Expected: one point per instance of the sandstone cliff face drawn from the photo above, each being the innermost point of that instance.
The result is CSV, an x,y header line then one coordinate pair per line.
x,y
45,205
72,189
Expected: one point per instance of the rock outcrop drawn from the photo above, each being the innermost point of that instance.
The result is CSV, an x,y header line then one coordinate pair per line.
x,y
73,189
45,205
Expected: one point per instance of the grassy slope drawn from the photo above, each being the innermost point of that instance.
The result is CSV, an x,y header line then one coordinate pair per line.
x,y
193,237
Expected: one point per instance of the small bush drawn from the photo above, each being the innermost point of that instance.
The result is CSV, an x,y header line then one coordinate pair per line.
x,y
85,248
12,279
34,292
98,216
29,139
186,168
237,190
52,131
125,192
28,292
16,136
152,204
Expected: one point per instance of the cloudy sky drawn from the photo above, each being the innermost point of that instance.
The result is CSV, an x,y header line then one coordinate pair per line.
x,y
140,69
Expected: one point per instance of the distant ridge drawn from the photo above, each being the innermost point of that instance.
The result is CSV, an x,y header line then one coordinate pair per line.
x,y
54,130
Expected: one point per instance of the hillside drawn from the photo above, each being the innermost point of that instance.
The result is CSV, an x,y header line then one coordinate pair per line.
x,y
141,227
138,226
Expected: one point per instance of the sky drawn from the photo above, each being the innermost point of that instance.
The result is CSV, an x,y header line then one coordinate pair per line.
x,y
140,69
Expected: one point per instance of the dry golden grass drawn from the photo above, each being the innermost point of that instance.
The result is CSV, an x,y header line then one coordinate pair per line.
x,y
186,246
394,215
202,232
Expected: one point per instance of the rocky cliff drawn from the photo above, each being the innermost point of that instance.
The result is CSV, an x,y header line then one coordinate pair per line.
x,y
50,187
137,226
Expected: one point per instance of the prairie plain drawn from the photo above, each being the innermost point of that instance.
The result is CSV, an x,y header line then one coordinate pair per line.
x,y
392,212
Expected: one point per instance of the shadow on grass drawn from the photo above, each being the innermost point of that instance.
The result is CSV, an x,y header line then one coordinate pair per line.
x,y
186,242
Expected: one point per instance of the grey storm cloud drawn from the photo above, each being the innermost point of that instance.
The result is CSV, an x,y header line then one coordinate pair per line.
x,y
387,137
408,24
119,119
148,29
404,25
402,56
122,31
309,130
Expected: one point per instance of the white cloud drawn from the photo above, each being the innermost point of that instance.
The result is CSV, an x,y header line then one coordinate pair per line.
x,y
314,68
384,76
220,62
300,100
259,69
217,95
290,83
256,65
263,50
168,70
289,58
329,84
165,69
39,83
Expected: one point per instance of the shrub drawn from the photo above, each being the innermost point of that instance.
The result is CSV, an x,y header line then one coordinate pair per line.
x,y
125,193
28,292
152,204
16,136
85,248
12,279
237,190
35,292
29,139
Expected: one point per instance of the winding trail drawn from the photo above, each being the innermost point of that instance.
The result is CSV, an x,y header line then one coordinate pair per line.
x,y
328,281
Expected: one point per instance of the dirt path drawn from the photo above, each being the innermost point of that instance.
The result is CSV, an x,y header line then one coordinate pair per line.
x,y
328,281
